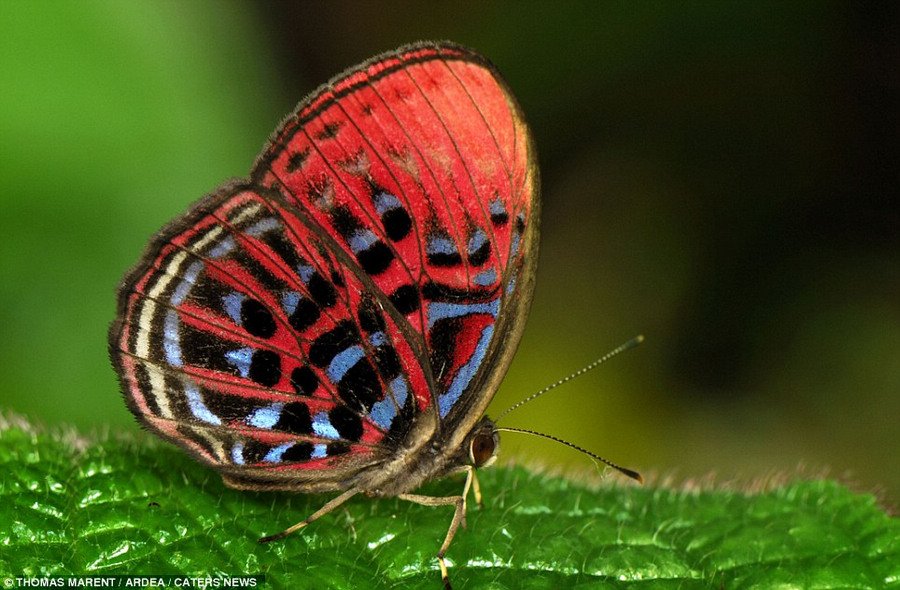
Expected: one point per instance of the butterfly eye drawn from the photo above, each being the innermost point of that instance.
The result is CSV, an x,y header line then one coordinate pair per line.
x,y
481,451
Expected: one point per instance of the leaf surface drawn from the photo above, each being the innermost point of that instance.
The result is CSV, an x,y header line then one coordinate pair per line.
x,y
119,505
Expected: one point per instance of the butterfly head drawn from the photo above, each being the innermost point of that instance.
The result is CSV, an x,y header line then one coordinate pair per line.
x,y
483,443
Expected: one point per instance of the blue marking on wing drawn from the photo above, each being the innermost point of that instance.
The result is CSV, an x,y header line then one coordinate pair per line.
x,y
289,302
384,412
319,452
485,277
172,341
515,244
385,202
322,427
344,361
222,248
476,241
240,359
400,390
198,408
361,240
232,303
266,417
306,272
442,310
466,373
377,338
440,245
190,277
237,453
275,453
262,226
497,207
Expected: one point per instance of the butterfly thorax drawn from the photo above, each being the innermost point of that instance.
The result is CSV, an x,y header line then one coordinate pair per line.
x,y
427,459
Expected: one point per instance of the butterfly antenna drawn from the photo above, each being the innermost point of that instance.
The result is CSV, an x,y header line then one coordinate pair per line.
x,y
621,348
624,471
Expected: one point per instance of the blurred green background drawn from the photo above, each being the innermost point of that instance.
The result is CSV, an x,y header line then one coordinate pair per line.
x,y
716,176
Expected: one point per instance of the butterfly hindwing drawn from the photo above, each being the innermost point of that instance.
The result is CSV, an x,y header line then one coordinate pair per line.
x,y
243,339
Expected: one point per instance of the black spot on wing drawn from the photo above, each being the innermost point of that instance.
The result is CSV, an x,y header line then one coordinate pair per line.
x,y
344,221
346,422
329,130
397,223
296,160
321,290
256,319
305,315
376,258
405,299
265,368
304,381
294,419
360,388
297,453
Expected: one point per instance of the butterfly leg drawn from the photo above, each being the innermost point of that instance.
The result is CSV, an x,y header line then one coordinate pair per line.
x,y
476,489
459,518
328,507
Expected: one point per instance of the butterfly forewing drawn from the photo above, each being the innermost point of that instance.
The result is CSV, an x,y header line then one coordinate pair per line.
x,y
375,272
420,167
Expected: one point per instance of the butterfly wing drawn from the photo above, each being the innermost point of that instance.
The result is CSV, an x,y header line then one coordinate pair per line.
x,y
242,338
419,164
376,271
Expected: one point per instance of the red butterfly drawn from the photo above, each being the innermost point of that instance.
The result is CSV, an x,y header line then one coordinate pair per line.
x,y
340,322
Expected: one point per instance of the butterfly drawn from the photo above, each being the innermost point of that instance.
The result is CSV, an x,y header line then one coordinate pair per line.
x,y
339,321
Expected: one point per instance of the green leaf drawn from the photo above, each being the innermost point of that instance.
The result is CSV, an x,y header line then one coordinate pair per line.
x,y
120,505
